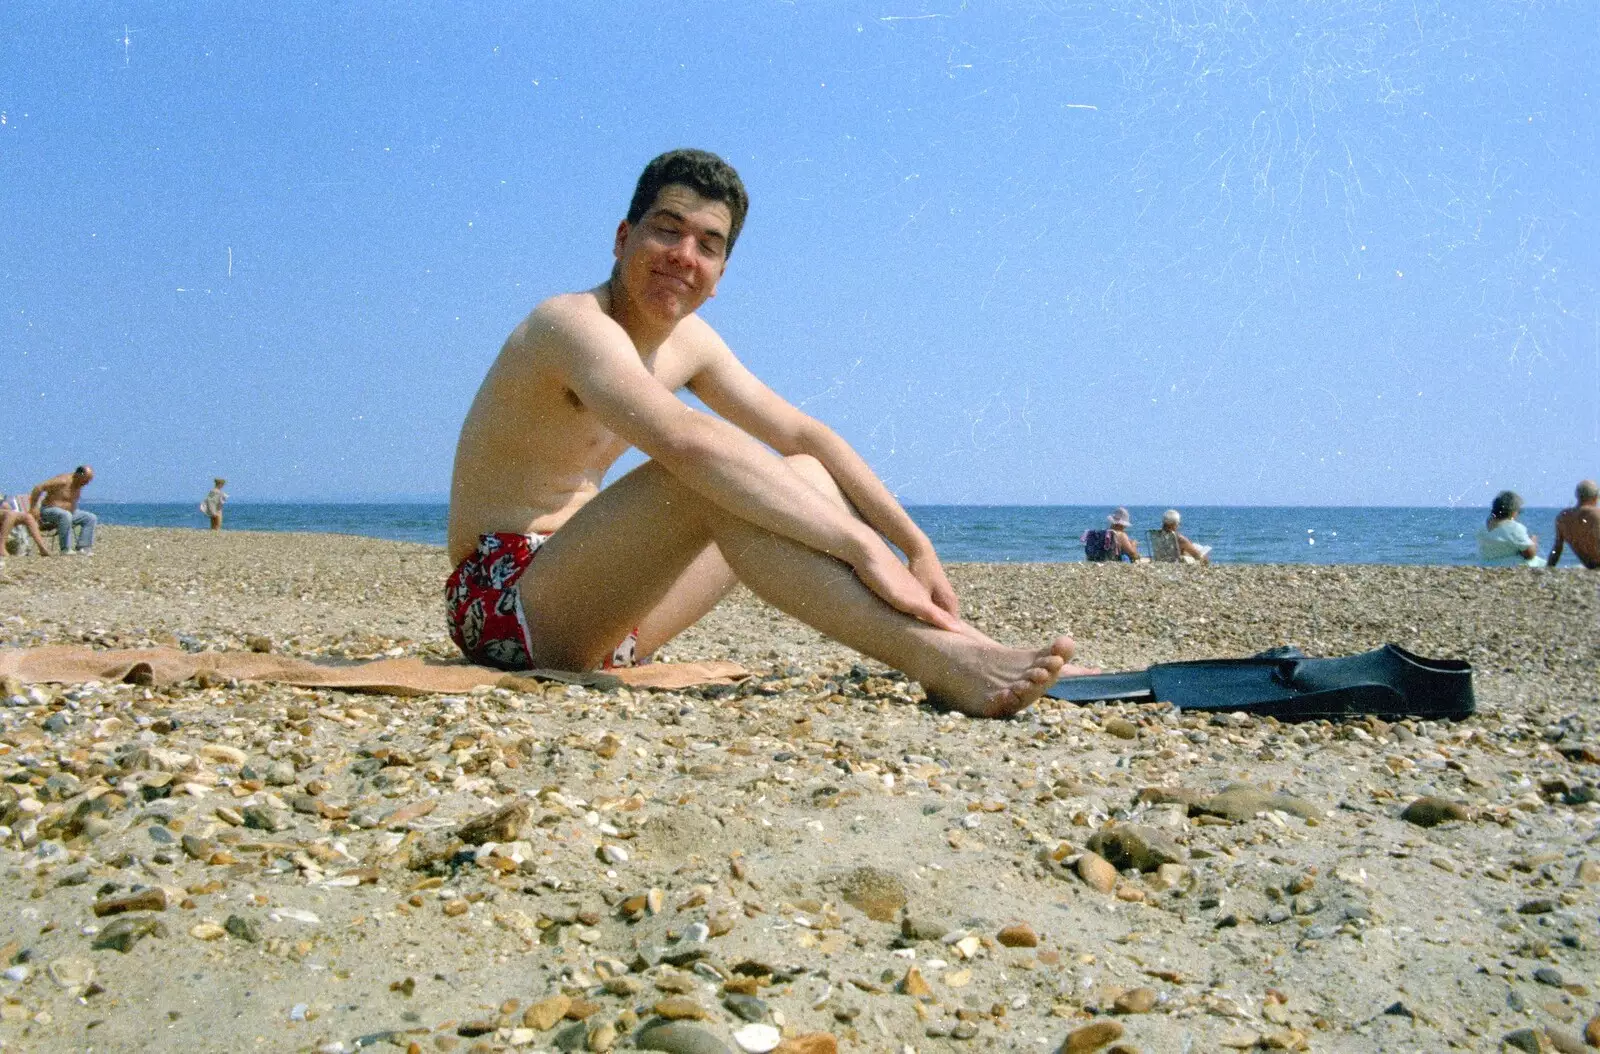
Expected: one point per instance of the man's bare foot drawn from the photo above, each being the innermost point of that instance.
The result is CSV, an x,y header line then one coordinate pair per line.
x,y
996,681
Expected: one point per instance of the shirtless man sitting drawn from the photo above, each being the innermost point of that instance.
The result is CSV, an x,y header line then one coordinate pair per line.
x,y
1579,527
55,502
760,493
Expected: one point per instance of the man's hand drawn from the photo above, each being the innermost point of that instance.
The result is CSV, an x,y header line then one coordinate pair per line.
x,y
883,573
930,572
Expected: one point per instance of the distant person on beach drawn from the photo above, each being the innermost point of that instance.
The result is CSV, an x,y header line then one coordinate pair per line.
x,y
754,492
55,504
14,513
1504,541
212,506
1188,551
1112,543
1579,527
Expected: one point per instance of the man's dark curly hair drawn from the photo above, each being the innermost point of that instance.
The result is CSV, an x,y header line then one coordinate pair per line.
x,y
702,172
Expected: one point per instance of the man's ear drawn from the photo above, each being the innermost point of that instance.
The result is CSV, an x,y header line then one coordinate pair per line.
x,y
622,236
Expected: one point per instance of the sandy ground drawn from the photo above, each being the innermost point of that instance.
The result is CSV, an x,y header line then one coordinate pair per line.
x,y
813,854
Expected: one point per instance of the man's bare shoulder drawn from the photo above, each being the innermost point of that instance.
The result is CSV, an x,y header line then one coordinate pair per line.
x,y
560,322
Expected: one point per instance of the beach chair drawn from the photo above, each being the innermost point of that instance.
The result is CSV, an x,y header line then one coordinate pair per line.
x,y
1164,547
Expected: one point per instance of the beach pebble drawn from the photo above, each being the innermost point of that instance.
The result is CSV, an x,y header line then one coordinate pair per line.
x,y
1565,1041
1018,935
1121,728
1135,1001
757,1038
152,899
1097,872
1090,1037
1524,1039
504,824
680,1008
809,1043
675,1037
923,928
747,1007
1430,812
544,1014
1137,846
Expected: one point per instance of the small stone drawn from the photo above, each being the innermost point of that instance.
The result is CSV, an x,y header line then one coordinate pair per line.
x,y
1018,935
1137,846
1091,1037
1240,1039
1525,1039
1536,906
602,1037
1550,976
757,1039
1565,1041
1429,811
1135,1001
544,1014
922,928
914,985
680,1008
747,1007
809,1043
257,643
879,894
124,933
247,930
207,931
500,825
1121,728
1591,1031
1237,802
964,1030
1589,872
266,818
675,1037
1097,872
152,899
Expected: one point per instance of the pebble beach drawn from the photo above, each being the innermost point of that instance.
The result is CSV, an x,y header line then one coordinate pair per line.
x,y
810,860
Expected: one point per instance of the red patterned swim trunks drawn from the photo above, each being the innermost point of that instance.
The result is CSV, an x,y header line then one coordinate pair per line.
x,y
483,606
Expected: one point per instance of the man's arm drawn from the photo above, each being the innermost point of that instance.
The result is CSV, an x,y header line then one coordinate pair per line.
x,y
729,388
1555,549
715,458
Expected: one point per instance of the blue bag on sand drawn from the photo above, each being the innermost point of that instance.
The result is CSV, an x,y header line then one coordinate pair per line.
x,y
1287,684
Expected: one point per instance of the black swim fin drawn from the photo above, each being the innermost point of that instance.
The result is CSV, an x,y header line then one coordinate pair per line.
x,y
1284,683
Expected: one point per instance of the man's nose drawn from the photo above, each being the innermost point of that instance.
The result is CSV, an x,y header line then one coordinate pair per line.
x,y
683,250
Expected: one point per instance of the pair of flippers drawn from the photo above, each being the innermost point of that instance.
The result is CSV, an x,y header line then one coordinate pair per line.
x,y
1286,684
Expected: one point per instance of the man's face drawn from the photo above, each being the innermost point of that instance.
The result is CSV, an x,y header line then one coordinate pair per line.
x,y
85,476
671,260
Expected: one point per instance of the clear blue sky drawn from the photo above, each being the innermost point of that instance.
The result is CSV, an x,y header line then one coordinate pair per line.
x,y
1055,252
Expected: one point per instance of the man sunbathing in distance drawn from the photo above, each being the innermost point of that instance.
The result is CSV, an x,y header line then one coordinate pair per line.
x,y
1579,527
760,493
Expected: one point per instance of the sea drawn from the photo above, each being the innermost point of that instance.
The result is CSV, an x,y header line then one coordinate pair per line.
x,y
985,533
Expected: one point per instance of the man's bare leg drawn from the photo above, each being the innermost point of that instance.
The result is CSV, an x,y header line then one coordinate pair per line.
x,y
709,578
619,558
11,519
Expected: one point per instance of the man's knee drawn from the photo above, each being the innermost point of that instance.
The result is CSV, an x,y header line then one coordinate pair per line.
x,y
813,472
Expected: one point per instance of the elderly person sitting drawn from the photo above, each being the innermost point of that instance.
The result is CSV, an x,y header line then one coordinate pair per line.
x,y
1187,551
1503,541
1112,544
